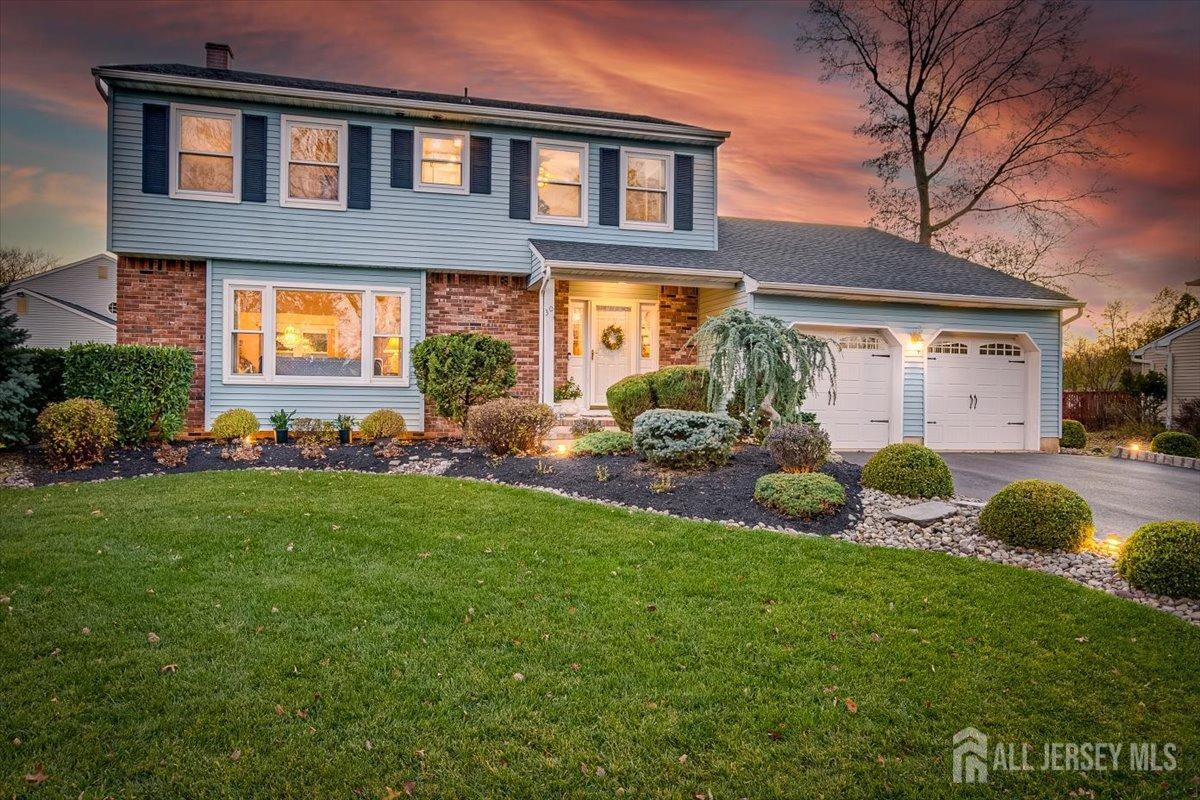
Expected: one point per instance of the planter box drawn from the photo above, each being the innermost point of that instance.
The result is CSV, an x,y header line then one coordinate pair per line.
x,y
1156,458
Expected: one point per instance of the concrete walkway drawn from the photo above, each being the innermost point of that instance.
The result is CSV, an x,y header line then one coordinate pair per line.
x,y
1122,494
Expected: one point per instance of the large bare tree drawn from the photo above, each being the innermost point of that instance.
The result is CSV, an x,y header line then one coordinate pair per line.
x,y
984,110
21,262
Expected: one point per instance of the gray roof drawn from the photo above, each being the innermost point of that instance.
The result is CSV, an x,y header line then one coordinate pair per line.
x,y
773,251
87,312
285,82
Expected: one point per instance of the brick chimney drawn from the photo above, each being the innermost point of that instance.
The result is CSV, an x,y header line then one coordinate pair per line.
x,y
218,56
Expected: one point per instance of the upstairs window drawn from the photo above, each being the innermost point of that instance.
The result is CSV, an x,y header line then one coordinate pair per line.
x,y
205,162
646,189
441,166
560,174
313,163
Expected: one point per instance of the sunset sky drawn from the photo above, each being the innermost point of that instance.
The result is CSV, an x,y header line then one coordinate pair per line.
x,y
731,66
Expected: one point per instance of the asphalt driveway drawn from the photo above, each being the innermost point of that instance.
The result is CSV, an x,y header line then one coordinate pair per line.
x,y
1122,494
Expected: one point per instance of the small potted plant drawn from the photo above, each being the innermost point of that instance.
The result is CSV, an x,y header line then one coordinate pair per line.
x,y
280,421
345,423
566,395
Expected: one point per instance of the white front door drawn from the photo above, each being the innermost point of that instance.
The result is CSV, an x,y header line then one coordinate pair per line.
x,y
976,395
611,365
858,415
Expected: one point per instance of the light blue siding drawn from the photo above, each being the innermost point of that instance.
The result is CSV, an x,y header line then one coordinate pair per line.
x,y
324,402
404,228
1041,326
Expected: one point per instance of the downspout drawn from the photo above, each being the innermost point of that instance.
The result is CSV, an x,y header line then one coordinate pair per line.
x,y
1062,323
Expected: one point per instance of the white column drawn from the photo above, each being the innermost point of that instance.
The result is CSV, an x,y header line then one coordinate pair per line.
x,y
546,341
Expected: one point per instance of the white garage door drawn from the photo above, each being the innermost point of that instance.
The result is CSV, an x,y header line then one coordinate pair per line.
x,y
857,416
975,394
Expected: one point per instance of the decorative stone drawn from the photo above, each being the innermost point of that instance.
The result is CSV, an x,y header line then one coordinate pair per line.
x,y
923,514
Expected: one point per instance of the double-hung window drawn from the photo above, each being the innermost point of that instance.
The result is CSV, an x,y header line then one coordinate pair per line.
x,y
206,148
560,176
646,180
316,335
442,164
312,163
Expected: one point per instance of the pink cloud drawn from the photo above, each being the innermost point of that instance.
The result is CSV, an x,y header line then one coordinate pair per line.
x,y
78,199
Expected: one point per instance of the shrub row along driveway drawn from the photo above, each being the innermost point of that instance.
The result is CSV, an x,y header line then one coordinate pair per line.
x,y
1123,494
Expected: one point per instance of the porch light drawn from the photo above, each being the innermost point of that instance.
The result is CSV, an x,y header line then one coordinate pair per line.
x,y
915,342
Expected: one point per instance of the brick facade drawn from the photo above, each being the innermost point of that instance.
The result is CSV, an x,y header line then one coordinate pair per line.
x,y
678,318
162,301
496,305
562,323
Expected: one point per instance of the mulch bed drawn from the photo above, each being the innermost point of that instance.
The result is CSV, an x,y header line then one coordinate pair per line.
x,y
725,494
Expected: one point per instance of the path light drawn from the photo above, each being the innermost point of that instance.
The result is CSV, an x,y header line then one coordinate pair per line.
x,y
1112,543
561,449
1134,446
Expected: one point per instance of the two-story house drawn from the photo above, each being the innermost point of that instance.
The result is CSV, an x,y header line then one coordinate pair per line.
x,y
300,235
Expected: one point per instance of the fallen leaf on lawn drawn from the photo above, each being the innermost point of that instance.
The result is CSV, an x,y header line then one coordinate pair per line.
x,y
419,753
369,746
337,527
875,637
259,629
410,787
56,652
274,609
301,713
29,512
291,546
86,631
829,689
576,667
235,755
171,668
651,607
833,636
424,555
97,513
774,736
37,777
5,600
279,710
152,637
389,793
600,772
16,741
683,759
583,768
518,677
851,706
1082,639
880,760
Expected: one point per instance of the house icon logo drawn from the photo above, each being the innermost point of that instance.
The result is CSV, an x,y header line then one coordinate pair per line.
x,y
970,756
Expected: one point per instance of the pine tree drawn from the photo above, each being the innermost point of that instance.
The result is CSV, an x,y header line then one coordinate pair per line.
x,y
18,383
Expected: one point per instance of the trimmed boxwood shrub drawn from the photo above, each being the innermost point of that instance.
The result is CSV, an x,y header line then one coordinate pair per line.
x,y
236,423
799,447
48,364
681,387
507,426
604,443
909,470
383,423
147,386
1041,515
1074,435
1163,558
803,495
76,432
673,438
627,398
1176,443
458,370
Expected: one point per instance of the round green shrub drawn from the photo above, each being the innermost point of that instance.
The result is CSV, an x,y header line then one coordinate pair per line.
x,y
672,438
1074,435
236,423
507,426
798,447
805,495
457,370
604,443
1176,443
383,423
1163,558
909,470
627,398
683,387
76,432
1041,515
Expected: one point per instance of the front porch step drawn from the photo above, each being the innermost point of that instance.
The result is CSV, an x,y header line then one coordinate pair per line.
x,y
562,430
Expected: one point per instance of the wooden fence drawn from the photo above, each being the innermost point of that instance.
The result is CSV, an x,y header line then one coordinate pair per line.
x,y
1099,410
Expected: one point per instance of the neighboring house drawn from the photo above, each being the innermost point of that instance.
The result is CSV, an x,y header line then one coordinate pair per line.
x,y
1176,355
73,303
299,236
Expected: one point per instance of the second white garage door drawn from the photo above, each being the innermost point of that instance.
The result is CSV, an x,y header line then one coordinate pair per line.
x,y
858,415
975,394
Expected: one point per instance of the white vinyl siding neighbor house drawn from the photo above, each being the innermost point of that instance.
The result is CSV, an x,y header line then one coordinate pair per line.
x,y
69,304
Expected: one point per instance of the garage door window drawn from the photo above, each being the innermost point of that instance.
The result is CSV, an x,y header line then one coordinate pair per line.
x,y
861,343
999,349
950,348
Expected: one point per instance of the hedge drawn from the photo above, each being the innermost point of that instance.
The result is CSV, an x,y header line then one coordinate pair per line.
x,y
682,387
147,386
47,364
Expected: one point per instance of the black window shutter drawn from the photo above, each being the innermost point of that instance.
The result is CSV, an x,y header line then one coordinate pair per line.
x,y
156,134
254,158
481,165
402,159
684,184
518,179
610,179
358,181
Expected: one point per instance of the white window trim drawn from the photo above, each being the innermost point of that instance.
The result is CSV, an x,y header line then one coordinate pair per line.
x,y
268,376
669,224
232,114
286,121
584,156
419,135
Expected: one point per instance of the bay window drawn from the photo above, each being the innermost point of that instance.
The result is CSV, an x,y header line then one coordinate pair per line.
x,y
322,335
205,157
646,200
441,164
312,163
560,177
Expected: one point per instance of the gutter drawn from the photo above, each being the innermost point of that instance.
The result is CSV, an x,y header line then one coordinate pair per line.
x,y
423,108
900,296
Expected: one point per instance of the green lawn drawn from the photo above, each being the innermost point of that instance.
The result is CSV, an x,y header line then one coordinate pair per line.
x,y
311,613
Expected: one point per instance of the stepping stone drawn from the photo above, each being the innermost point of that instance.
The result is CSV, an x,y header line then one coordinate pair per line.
x,y
924,514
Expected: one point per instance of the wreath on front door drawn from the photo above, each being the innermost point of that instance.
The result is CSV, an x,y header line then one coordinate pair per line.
x,y
612,337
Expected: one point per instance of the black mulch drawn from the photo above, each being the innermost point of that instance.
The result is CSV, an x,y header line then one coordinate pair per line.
x,y
721,494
